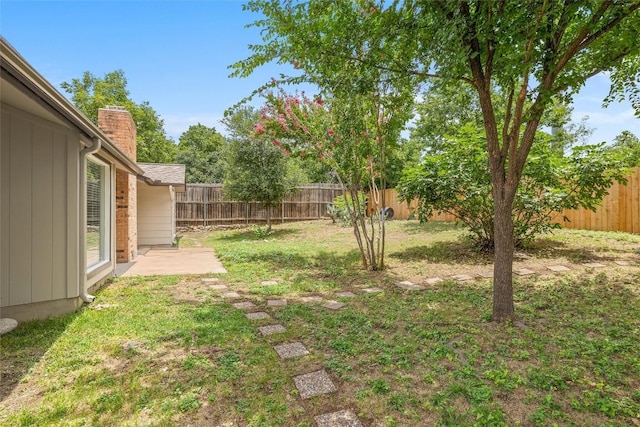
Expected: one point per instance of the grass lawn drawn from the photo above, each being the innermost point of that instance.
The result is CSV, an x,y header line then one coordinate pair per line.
x,y
169,351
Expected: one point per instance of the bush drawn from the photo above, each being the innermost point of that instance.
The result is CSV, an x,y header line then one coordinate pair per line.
x,y
338,210
457,181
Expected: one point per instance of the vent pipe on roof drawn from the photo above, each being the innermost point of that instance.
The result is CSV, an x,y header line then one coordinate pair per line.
x,y
93,148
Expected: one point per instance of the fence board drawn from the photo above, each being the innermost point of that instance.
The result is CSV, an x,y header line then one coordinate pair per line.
x,y
204,204
620,209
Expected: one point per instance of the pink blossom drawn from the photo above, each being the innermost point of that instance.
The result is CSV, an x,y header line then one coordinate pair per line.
x,y
319,101
276,143
331,132
258,127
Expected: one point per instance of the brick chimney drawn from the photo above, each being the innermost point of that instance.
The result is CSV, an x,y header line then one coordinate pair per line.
x,y
118,125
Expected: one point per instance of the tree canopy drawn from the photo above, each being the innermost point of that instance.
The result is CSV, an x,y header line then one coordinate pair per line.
x,y
90,93
531,53
202,150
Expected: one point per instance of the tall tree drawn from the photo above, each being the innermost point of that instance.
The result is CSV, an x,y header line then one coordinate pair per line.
x,y
201,149
531,52
627,146
257,170
90,93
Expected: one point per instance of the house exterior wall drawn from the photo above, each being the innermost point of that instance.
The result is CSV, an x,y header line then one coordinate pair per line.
x,y
156,224
39,218
118,124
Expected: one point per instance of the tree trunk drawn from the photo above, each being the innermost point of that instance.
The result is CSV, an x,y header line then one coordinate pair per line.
x,y
503,258
268,219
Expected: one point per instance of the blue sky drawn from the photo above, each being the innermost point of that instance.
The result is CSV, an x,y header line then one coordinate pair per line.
x,y
175,55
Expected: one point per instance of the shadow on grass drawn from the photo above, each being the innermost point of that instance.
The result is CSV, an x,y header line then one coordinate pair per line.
x,y
249,234
548,248
23,348
450,252
416,227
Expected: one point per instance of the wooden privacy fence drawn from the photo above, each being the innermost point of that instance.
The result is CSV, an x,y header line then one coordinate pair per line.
x,y
619,211
203,204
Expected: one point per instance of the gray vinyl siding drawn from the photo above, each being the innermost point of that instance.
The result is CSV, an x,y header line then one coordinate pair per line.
x,y
39,217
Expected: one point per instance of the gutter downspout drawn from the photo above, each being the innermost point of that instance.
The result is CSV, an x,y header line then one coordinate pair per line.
x,y
93,148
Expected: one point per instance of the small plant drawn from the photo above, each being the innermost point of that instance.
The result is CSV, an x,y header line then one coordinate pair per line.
x,y
261,232
341,212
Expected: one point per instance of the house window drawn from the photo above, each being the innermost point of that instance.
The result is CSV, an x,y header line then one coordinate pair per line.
x,y
98,218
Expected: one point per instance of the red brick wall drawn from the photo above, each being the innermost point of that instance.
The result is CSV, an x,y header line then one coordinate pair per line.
x,y
118,125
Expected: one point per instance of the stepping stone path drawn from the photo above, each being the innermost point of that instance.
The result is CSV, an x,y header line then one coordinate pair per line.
x,y
258,315
524,272
244,305
372,290
345,294
433,280
210,279
338,419
218,287
271,329
231,295
593,265
409,286
461,277
558,268
314,384
333,305
487,274
294,349
622,262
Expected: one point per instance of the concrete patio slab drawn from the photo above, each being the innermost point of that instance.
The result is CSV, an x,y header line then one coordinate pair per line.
x,y
290,350
314,384
344,418
271,329
433,280
524,272
165,261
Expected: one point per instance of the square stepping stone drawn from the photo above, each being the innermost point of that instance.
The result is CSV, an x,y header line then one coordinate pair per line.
x,y
210,279
276,302
433,280
269,282
524,272
314,384
258,315
218,287
346,294
487,274
344,418
244,305
593,265
461,277
333,305
311,299
231,295
622,262
372,290
409,286
294,349
271,329
558,268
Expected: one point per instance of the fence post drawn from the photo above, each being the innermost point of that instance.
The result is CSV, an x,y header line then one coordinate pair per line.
x,y
205,193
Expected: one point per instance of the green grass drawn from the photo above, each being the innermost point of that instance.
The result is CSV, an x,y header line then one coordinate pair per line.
x,y
169,351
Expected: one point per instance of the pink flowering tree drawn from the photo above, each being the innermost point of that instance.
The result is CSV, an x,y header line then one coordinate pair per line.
x,y
353,137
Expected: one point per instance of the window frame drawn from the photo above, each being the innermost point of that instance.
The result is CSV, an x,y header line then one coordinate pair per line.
x,y
104,249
